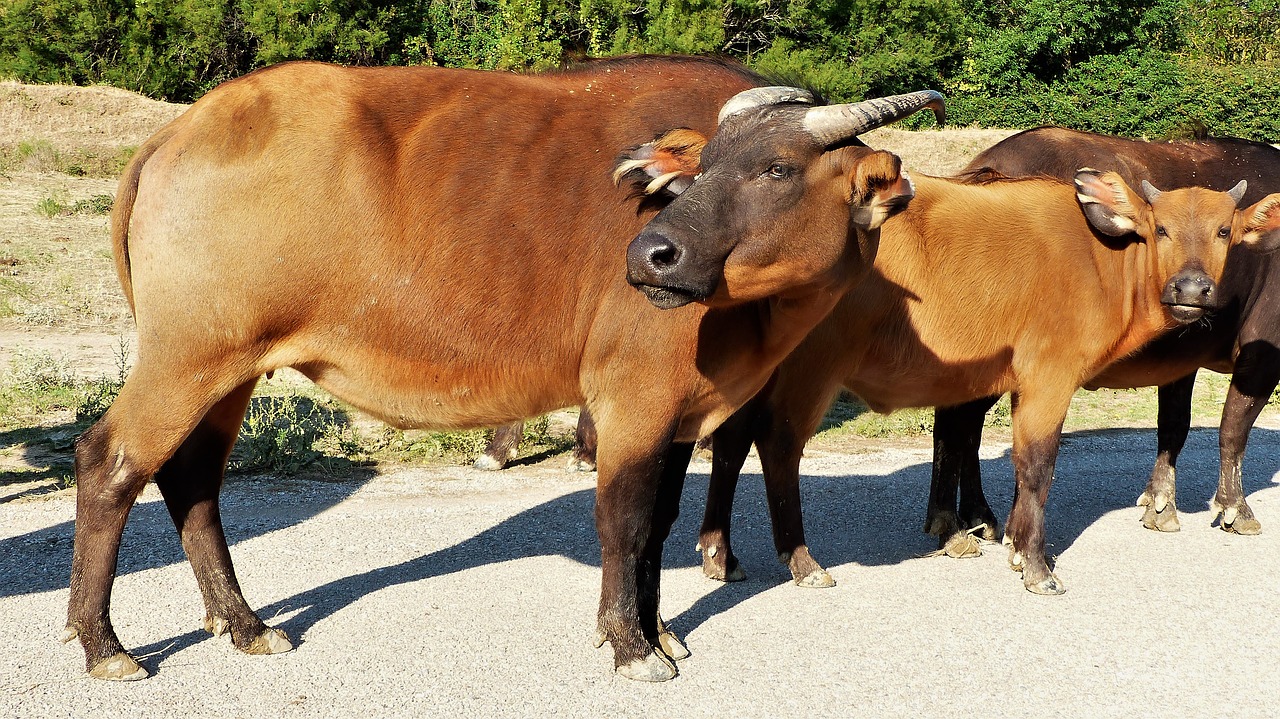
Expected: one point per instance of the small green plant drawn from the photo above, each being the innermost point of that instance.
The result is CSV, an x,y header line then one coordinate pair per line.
x,y
37,383
98,394
96,205
538,436
279,435
58,204
51,206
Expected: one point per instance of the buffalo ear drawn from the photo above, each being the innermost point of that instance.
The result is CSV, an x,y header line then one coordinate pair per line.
x,y
1262,225
666,164
1108,203
878,189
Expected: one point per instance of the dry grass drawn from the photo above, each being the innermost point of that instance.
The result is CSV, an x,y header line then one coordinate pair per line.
x,y
57,272
88,118
60,151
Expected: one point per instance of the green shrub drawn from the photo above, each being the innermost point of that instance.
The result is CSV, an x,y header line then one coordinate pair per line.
x,y
1138,68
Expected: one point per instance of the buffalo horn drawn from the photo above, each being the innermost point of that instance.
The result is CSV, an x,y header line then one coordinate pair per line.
x,y
1237,192
761,96
1151,193
833,124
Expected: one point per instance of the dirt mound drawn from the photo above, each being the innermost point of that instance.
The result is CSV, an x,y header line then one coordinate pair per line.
x,y
935,152
88,118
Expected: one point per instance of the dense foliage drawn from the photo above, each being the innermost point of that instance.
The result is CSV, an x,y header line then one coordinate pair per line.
x,y
1159,68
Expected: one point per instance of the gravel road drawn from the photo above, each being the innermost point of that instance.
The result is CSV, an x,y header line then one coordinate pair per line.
x,y
450,592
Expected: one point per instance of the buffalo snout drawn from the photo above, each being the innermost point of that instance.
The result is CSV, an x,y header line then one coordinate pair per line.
x,y
1188,294
658,266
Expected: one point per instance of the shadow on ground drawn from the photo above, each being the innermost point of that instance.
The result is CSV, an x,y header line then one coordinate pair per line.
x,y
863,519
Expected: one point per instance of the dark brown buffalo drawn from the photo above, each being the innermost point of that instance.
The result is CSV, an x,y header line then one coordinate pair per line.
x,y
445,248
1028,286
1243,331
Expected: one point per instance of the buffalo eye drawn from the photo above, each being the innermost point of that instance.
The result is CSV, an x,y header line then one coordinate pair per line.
x,y
1224,232
778,171
1161,231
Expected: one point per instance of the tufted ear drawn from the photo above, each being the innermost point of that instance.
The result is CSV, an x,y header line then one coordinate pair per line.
x,y
667,164
1109,204
1262,225
878,189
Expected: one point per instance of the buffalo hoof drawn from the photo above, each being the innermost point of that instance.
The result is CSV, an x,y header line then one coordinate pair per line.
x,y
271,641
488,464
721,566
805,570
653,668
578,464
942,523
1049,586
1161,520
118,668
1237,519
817,579
672,645
1162,511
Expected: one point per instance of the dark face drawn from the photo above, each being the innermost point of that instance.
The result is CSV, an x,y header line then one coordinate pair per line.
x,y
772,211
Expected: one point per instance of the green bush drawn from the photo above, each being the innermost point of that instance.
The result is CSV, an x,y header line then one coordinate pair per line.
x,y
1138,68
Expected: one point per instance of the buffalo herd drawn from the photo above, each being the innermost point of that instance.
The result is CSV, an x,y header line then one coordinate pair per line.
x,y
686,252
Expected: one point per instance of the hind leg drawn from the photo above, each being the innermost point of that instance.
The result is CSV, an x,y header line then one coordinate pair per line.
x,y
957,435
583,456
190,483
155,412
503,448
1257,373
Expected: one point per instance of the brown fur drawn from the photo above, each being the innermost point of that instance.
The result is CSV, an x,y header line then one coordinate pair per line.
x,y
977,290
1242,334
440,248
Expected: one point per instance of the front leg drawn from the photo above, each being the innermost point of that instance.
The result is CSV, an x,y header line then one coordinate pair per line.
x,y
1173,424
1037,432
504,447
637,498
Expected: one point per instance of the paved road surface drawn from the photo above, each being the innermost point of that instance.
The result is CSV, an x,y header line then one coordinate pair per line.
x,y
448,592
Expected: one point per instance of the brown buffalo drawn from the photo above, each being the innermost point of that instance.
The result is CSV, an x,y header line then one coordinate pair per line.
x,y
978,289
443,248
1244,331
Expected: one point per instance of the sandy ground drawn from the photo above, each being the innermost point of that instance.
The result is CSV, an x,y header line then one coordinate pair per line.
x,y
434,591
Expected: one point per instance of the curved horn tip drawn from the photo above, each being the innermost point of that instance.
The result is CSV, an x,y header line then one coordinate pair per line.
x,y
832,124
1237,192
1150,192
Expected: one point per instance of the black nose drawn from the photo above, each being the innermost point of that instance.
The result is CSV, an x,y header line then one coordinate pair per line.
x,y
651,256
1189,289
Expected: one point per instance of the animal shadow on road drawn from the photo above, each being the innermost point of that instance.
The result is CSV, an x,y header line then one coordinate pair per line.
x,y
871,520
45,460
